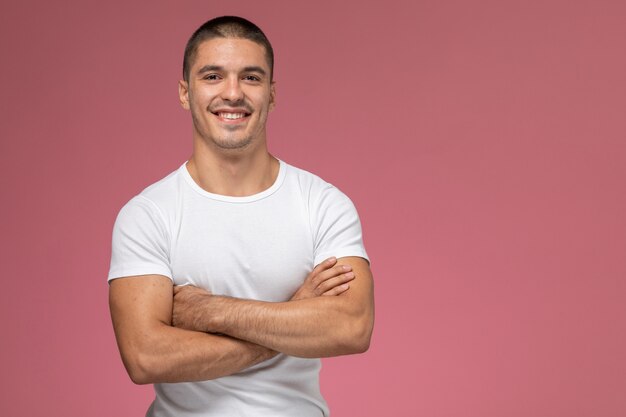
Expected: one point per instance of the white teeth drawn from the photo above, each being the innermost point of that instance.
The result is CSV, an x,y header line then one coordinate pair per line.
x,y
232,116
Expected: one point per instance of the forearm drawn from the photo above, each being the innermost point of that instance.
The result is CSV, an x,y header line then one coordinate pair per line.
x,y
170,354
316,327
331,314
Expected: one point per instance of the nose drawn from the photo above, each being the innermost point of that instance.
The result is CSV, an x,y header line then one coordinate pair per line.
x,y
232,90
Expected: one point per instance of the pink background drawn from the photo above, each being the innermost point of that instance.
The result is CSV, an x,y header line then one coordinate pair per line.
x,y
482,141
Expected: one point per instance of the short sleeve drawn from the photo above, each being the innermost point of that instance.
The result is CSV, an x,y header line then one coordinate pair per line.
x,y
140,243
336,225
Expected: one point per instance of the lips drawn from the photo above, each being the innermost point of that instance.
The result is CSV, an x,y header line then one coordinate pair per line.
x,y
232,115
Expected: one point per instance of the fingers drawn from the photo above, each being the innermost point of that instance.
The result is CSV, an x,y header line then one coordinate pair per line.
x,y
333,283
325,264
340,289
327,278
331,273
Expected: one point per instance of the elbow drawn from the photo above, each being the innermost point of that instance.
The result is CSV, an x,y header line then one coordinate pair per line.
x,y
140,369
360,336
364,338
362,346
139,377
143,360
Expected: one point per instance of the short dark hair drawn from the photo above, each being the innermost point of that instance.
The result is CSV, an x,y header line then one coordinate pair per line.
x,y
226,27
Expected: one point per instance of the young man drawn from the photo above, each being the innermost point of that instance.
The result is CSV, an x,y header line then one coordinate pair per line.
x,y
230,276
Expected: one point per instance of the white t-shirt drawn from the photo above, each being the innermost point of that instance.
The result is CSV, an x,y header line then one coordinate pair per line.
x,y
257,247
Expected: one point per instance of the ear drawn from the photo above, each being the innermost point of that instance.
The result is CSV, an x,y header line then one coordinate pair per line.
x,y
272,95
183,94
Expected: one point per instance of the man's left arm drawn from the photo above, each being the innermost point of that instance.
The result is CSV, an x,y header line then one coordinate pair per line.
x,y
312,327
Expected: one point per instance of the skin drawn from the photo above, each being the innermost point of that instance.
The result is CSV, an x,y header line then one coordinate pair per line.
x,y
153,350
308,327
230,158
177,334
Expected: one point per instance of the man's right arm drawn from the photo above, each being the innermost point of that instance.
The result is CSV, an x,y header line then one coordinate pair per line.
x,y
153,351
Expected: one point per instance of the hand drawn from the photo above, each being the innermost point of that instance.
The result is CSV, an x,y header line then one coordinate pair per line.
x,y
327,278
187,307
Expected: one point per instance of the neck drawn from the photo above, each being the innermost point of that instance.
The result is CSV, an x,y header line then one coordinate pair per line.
x,y
236,174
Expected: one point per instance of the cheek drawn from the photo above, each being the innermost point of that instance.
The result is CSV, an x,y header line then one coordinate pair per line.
x,y
201,97
264,102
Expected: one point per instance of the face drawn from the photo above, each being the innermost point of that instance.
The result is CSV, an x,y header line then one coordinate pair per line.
x,y
229,93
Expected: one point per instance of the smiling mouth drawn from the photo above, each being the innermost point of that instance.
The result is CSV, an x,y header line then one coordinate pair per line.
x,y
231,116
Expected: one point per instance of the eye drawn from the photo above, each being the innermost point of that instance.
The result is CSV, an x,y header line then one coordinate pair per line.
x,y
252,78
211,77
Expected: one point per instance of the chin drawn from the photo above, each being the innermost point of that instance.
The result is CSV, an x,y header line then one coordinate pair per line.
x,y
233,144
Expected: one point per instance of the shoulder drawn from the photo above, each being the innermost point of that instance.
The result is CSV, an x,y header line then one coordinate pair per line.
x,y
313,188
156,197
152,206
334,221
326,205
163,190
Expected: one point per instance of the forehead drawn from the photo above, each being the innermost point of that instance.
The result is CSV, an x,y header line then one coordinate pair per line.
x,y
230,53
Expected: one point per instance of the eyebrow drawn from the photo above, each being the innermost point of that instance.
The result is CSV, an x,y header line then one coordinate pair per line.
x,y
253,68
208,68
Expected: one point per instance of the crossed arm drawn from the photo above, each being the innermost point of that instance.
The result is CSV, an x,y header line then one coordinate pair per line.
x,y
157,347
